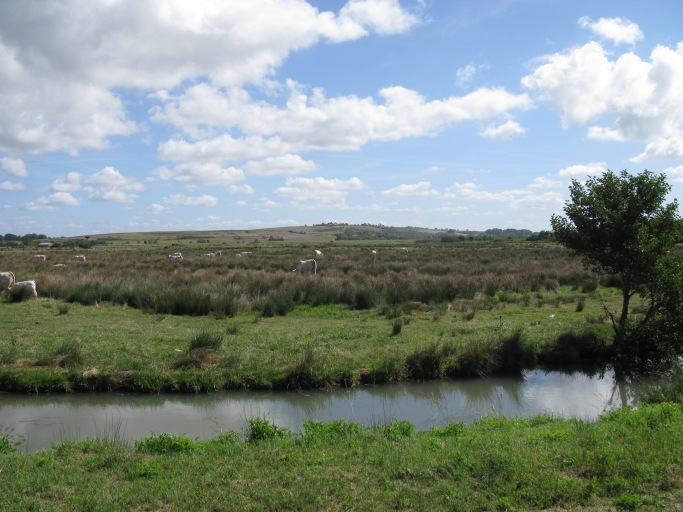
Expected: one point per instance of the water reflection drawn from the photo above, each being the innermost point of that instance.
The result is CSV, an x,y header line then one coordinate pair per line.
x,y
44,419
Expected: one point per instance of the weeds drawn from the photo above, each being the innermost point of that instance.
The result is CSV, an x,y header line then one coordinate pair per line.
x,y
63,309
165,443
396,327
260,429
19,294
205,339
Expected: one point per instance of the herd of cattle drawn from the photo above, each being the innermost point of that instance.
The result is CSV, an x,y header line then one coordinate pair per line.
x,y
7,280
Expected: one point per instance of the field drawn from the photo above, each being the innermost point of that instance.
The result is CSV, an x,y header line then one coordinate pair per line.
x,y
129,318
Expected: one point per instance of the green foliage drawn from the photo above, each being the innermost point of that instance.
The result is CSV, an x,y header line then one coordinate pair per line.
x,y
396,327
19,294
619,224
205,339
63,309
165,443
397,429
260,429
337,428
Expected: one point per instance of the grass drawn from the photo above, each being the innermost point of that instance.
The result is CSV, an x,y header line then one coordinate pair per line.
x,y
628,460
134,351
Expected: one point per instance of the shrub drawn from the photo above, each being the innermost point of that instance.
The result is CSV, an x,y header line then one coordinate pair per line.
x,y
580,304
512,352
20,294
260,429
63,309
337,428
396,327
429,361
232,329
165,443
397,429
206,340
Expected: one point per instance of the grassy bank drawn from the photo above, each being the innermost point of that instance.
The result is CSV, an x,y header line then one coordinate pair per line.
x,y
49,345
628,460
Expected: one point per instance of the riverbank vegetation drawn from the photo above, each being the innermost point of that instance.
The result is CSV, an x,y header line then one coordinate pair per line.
x,y
626,460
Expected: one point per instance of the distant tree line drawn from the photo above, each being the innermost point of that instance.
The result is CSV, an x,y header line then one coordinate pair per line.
x,y
26,239
514,233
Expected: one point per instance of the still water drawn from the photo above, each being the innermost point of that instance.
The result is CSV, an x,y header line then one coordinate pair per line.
x,y
41,420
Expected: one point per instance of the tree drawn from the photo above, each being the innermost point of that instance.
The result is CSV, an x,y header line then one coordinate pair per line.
x,y
619,224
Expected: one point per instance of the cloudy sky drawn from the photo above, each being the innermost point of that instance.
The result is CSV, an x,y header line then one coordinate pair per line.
x,y
130,115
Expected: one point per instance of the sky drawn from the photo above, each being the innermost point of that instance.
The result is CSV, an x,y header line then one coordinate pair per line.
x,y
151,115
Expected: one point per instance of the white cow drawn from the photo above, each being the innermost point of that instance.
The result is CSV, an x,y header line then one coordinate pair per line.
x,y
374,252
306,266
218,253
210,255
6,281
38,257
404,249
79,257
244,253
59,265
30,285
176,256
317,252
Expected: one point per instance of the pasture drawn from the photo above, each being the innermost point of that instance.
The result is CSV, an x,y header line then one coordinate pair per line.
x,y
132,319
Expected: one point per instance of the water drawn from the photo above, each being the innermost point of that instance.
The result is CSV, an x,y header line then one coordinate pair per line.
x,y
41,420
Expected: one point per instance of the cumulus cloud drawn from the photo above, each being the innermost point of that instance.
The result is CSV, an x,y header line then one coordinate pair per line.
x,y
581,171
676,172
266,204
71,182
515,199
316,123
60,63
194,174
112,187
504,131
644,98
51,203
315,193
13,166
240,203
182,200
241,189
465,74
615,29
286,164
417,189
449,208
542,182
10,186
155,209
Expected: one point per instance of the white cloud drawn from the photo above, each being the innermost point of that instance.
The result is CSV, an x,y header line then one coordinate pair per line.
x,y
675,171
536,201
448,208
615,29
13,166
51,203
240,203
316,123
581,171
207,174
410,210
644,98
504,131
155,209
113,187
417,189
315,193
182,200
515,199
286,222
241,189
286,164
265,204
71,182
9,186
465,74
61,63
542,182
434,168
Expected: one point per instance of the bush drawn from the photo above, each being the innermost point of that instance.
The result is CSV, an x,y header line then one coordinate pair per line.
x,y
165,443
63,309
396,327
259,429
20,294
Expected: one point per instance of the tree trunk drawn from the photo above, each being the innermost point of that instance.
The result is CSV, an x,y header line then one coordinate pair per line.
x,y
624,307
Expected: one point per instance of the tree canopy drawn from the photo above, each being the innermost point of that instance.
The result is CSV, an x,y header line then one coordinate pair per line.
x,y
620,224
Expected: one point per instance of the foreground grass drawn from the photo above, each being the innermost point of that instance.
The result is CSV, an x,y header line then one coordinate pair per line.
x,y
47,346
628,460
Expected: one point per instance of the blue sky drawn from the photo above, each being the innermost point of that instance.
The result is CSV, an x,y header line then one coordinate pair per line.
x,y
130,115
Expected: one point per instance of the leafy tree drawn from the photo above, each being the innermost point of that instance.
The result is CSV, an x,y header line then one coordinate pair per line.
x,y
619,224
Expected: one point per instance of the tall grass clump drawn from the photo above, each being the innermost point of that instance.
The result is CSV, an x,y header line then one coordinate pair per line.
x,y
513,354
430,361
19,294
165,443
205,339
260,429
63,309
572,347
396,327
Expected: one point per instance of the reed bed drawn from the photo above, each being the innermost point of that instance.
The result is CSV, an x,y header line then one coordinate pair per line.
x,y
347,274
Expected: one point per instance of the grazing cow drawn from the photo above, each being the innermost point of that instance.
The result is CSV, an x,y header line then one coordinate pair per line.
x,y
38,257
176,256
210,255
30,285
306,266
218,253
404,249
6,281
59,265
374,252
317,252
244,253
79,257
